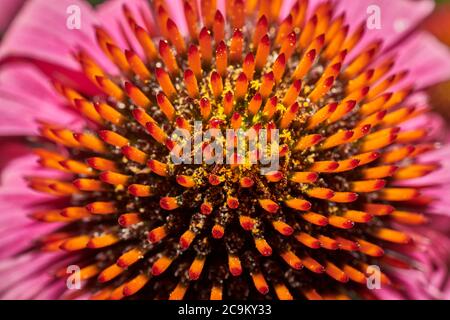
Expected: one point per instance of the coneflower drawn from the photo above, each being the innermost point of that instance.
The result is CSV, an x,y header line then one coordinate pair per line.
x,y
141,226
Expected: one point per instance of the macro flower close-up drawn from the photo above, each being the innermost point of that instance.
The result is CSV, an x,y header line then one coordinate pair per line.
x,y
223,150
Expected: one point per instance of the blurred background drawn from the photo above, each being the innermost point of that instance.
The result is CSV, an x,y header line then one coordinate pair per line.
x,y
438,24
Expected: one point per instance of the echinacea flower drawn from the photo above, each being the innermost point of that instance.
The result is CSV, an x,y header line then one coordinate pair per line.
x,y
363,165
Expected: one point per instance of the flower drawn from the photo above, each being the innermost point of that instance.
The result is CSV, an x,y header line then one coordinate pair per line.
x,y
359,151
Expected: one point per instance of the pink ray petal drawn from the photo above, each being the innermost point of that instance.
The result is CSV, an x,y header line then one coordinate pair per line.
x,y
22,89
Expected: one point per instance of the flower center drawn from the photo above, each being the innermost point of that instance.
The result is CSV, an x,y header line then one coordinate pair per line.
x,y
215,229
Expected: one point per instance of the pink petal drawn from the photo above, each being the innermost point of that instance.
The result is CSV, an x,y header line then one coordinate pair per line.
x,y
426,59
398,17
9,10
13,148
26,96
29,276
17,201
433,122
428,279
40,33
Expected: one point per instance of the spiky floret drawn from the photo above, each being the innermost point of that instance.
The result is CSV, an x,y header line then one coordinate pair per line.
x,y
148,228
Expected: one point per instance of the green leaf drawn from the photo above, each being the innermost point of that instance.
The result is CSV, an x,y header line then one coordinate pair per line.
x,y
95,2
